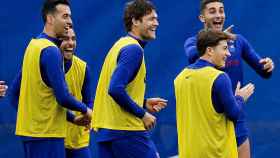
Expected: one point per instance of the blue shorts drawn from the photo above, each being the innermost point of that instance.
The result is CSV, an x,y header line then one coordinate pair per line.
x,y
78,153
241,129
127,147
44,148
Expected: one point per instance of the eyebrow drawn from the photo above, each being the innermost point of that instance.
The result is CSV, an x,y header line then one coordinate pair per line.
x,y
215,8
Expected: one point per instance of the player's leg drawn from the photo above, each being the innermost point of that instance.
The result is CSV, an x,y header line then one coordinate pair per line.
x,y
104,150
78,153
45,148
134,147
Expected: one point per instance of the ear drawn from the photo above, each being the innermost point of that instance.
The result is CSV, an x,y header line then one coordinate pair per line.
x,y
49,19
201,18
135,22
209,51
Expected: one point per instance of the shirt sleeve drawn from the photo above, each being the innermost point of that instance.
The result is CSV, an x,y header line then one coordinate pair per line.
x,y
87,91
128,64
224,100
191,50
252,58
70,116
13,91
51,66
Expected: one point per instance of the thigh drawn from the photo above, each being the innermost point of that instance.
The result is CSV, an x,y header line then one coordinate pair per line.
x,y
134,147
104,150
78,153
49,148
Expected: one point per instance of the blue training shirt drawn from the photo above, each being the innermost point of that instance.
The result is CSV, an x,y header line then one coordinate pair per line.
x,y
87,90
128,64
223,98
52,74
240,49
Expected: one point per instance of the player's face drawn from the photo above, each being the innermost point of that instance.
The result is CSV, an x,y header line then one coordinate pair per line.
x,y
213,16
220,54
62,20
68,44
148,26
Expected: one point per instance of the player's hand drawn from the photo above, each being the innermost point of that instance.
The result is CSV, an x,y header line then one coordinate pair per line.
x,y
268,64
246,91
82,120
88,114
228,31
3,88
149,121
155,104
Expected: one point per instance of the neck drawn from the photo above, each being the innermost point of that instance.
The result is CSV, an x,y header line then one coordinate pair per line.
x,y
204,57
47,30
135,34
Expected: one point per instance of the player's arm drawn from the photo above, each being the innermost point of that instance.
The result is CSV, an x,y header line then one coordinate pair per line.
x,y
87,99
191,50
70,116
225,101
128,64
263,66
14,90
87,89
51,66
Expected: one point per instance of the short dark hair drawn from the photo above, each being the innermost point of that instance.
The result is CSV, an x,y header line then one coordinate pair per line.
x,y
136,9
209,38
203,3
49,6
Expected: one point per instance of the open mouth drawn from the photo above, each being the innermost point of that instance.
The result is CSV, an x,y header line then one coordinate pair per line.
x,y
68,51
152,30
67,27
218,24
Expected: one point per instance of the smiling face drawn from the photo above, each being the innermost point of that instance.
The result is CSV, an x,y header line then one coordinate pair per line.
x,y
61,20
219,54
68,45
148,26
145,28
213,16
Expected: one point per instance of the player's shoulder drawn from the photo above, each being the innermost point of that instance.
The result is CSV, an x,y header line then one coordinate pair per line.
x,y
190,40
223,76
133,46
51,52
132,50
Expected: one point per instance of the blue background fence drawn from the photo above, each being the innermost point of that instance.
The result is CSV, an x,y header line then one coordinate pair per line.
x,y
98,24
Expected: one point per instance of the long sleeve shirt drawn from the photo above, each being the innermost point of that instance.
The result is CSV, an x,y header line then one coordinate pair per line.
x,y
87,90
53,76
223,98
128,64
51,68
240,49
